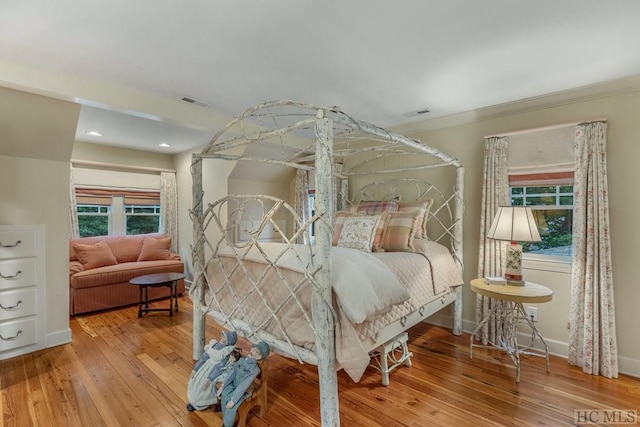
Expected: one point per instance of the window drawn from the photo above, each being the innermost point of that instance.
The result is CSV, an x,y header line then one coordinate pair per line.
x,y
115,212
142,219
541,164
552,207
93,220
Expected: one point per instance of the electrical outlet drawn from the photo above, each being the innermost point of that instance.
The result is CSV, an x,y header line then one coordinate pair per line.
x,y
532,312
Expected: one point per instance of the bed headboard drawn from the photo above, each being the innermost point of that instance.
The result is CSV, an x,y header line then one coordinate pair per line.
x,y
441,218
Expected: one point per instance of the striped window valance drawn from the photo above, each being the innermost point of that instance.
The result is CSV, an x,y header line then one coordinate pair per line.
x,y
102,197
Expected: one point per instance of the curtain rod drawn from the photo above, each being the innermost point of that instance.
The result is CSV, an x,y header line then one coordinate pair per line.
x,y
551,127
117,166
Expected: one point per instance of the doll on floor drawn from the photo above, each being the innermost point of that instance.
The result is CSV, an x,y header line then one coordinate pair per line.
x,y
201,388
235,386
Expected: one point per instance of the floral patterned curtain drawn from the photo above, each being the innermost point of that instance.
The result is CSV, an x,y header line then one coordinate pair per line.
x,y
169,207
495,193
74,228
302,203
592,335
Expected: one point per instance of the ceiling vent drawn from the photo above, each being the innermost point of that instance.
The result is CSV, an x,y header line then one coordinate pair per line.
x,y
194,101
416,113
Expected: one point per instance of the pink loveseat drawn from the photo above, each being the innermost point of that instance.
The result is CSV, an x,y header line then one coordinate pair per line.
x,y
100,269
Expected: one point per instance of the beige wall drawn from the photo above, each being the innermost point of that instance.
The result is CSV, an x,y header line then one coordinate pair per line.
x,y
37,192
36,138
466,142
215,174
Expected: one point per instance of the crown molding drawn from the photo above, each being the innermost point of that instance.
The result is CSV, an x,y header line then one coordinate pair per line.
x,y
556,99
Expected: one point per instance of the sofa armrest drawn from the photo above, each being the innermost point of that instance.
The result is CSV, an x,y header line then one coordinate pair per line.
x,y
175,257
75,267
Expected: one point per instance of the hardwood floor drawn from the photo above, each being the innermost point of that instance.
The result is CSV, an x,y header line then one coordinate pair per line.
x,y
124,371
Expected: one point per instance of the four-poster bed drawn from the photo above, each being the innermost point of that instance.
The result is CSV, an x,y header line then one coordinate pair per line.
x,y
319,294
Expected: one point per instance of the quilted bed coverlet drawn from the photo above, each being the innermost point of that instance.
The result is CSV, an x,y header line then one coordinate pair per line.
x,y
270,287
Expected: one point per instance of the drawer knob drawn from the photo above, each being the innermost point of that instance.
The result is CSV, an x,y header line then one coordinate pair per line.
x,y
11,338
2,245
15,276
13,307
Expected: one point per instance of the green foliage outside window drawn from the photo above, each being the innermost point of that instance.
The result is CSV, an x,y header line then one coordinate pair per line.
x,y
552,208
93,225
93,220
142,219
142,224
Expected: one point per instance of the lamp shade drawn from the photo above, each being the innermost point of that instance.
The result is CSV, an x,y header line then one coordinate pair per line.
x,y
515,224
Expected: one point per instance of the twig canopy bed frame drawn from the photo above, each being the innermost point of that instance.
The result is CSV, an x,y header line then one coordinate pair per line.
x,y
304,294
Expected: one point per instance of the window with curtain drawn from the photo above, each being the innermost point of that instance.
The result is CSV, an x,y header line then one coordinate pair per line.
x,y
116,212
541,172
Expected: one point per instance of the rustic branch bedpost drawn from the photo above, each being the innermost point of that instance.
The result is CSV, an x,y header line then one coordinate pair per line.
x,y
198,258
322,316
457,246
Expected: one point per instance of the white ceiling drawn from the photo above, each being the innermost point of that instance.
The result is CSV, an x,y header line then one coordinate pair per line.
x,y
130,62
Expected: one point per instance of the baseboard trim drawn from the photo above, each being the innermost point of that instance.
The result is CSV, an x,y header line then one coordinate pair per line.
x,y
59,337
626,365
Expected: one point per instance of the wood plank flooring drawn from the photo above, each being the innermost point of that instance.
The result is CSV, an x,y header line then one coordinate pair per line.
x,y
124,371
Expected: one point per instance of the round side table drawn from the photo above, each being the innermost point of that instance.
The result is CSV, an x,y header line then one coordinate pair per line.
x,y
510,313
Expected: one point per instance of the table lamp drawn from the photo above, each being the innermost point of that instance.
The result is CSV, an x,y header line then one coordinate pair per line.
x,y
514,224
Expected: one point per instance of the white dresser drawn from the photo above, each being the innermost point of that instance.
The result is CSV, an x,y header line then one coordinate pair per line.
x,y
22,289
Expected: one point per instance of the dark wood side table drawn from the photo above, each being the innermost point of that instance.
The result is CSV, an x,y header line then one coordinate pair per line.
x,y
169,280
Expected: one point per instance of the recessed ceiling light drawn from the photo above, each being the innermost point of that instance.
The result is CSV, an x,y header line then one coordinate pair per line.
x,y
93,133
164,145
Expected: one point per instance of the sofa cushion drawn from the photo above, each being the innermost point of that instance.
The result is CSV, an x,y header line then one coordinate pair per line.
x,y
124,248
94,256
155,249
122,273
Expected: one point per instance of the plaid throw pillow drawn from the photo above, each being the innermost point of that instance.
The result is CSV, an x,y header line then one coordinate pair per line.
x,y
400,231
371,207
423,207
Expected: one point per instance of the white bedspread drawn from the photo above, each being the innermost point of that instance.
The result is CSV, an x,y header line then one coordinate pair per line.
x,y
371,291
363,284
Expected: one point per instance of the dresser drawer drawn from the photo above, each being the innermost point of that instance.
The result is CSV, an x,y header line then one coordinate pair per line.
x,y
17,243
17,333
17,273
18,303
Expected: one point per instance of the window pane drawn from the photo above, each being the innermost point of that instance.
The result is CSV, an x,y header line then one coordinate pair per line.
x,y
88,209
517,190
142,224
566,189
566,200
93,225
142,219
555,230
541,200
541,190
517,201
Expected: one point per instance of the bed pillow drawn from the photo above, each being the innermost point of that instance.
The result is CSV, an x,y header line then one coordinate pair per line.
x,y
371,207
400,231
94,256
155,249
379,233
423,207
358,232
338,222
